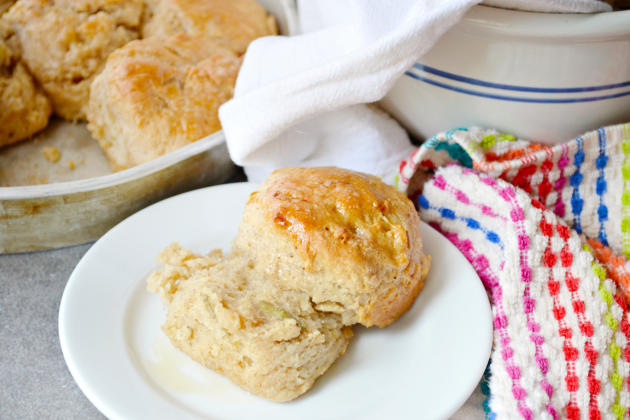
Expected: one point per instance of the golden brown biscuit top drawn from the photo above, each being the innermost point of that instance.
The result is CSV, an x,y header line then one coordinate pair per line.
x,y
127,12
177,51
236,22
69,39
339,215
179,77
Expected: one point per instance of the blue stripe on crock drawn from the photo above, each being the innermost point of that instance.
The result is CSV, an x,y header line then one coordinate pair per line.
x,y
516,98
478,82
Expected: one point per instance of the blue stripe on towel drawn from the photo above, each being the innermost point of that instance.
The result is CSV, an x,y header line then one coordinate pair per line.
x,y
600,186
577,203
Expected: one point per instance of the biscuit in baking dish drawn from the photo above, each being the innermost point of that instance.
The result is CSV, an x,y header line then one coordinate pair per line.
x,y
225,315
346,239
66,42
157,95
235,22
24,109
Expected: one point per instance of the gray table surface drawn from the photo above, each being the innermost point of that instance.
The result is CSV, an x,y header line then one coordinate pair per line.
x,y
34,380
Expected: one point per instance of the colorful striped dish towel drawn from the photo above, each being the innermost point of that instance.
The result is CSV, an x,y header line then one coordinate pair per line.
x,y
546,228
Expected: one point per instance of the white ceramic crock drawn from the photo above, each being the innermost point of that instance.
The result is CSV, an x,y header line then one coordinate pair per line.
x,y
545,77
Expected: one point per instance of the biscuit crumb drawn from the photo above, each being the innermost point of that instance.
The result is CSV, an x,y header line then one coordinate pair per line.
x,y
71,164
51,154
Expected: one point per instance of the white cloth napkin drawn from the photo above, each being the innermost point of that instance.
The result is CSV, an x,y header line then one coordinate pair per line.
x,y
297,99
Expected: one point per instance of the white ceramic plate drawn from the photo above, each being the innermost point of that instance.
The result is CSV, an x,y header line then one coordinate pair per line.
x,y
423,366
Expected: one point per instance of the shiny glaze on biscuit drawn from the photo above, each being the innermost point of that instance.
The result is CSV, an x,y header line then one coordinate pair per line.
x,y
344,213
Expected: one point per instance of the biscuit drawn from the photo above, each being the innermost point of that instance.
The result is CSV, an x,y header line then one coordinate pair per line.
x,y
225,315
24,109
318,249
235,23
157,95
349,241
66,42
